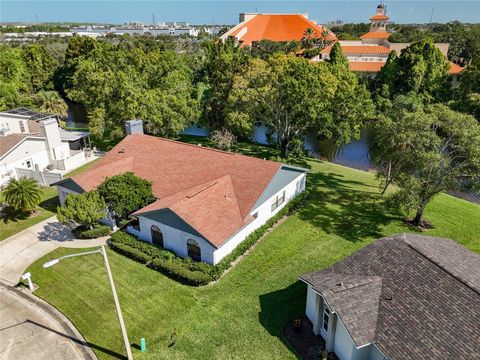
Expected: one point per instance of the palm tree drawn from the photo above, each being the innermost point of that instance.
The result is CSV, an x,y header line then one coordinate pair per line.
x,y
23,194
51,102
308,38
323,40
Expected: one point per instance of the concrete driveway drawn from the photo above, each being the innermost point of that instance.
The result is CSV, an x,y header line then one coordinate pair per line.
x,y
32,329
20,250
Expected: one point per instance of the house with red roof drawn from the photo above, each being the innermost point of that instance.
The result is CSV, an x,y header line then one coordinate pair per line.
x,y
207,201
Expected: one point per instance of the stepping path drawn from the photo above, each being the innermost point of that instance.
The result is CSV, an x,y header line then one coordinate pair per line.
x,y
30,328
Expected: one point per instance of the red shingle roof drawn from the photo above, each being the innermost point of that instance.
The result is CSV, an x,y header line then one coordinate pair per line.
x,y
366,66
275,27
454,68
212,190
379,17
375,35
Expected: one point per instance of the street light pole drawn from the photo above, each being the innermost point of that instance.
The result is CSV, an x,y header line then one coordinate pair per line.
x,y
102,251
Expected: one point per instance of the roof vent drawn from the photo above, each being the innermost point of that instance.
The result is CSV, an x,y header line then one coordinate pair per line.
x,y
388,297
134,127
339,283
122,150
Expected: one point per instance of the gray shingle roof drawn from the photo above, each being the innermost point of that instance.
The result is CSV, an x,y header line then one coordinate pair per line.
x,y
415,297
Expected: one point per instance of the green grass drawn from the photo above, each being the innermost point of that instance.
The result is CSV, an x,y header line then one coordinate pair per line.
x,y
242,315
15,221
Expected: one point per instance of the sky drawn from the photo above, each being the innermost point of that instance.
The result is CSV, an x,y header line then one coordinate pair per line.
x,y
226,11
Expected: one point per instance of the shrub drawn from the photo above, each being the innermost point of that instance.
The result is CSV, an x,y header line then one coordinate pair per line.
x,y
23,194
84,209
121,237
177,269
97,231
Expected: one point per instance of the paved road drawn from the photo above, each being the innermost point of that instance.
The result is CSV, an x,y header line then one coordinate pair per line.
x,y
32,329
20,250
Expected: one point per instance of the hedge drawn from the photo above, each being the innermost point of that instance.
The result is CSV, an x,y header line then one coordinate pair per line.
x,y
186,270
97,231
164,261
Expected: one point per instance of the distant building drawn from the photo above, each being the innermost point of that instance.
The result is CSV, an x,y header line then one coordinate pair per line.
x,y
370,54
403,297
276,27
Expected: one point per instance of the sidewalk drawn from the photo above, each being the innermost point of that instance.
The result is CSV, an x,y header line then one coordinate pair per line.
x,y
19,251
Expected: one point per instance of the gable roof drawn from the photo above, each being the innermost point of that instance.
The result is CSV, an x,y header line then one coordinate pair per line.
x,y
10,142
429,298
212,190
275,27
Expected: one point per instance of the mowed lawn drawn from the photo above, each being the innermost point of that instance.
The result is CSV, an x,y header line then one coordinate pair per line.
x,y
242,315
15,221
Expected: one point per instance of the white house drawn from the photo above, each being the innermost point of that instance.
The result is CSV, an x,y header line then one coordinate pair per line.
x,y
207,201
34,141
402,297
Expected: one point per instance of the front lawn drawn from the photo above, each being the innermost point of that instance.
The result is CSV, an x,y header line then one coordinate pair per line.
x,y
242,315
13,221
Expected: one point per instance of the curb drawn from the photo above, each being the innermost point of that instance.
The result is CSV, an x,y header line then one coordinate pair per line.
x,y
70,331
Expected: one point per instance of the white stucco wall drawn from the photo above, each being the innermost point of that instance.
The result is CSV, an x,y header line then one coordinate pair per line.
x,y
264,213
345,348
176,240
12,122
31,149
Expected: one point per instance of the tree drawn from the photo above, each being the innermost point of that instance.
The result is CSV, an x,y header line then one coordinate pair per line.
x,y
287,93
325,39
308,38
421,69
224,60
40,66
14,79
23,194
337,57
467,95
50,102
126,193
388,133
84,209
440,150
223,139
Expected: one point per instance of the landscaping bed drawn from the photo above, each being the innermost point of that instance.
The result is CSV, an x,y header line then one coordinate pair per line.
x,y
82,232
184,269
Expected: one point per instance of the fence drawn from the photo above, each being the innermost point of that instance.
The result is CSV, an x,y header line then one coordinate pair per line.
x,y
43,178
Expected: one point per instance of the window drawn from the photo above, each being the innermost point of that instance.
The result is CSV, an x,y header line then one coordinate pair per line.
x,y
278,200
255,215
326,317
157,236
22,126
28,163
193,250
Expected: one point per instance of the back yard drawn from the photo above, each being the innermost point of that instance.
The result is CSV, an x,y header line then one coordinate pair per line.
x,y
242,315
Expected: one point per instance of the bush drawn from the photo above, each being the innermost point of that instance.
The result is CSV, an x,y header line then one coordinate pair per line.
x,y
97,231
177,269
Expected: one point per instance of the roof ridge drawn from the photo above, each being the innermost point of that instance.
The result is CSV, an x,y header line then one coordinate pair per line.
x,y
202,147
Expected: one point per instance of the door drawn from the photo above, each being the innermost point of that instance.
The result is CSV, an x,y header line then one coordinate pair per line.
x,y
157,236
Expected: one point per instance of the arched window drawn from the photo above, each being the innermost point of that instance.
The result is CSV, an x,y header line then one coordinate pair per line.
x,y
157,236
194,251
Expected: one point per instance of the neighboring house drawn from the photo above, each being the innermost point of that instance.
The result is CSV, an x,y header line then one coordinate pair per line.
x,y
31,140
276,27
402,297
207,200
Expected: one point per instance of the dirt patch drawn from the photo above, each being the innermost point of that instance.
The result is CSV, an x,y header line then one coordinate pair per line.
x,y
299,334
425,225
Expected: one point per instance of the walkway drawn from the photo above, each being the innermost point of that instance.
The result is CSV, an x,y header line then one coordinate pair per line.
x,y
19,251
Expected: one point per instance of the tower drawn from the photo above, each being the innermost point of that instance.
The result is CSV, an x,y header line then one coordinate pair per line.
x,y
379,21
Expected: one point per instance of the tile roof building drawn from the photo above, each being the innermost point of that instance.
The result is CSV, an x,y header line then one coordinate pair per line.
x,y
213,197
402,297
276,27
